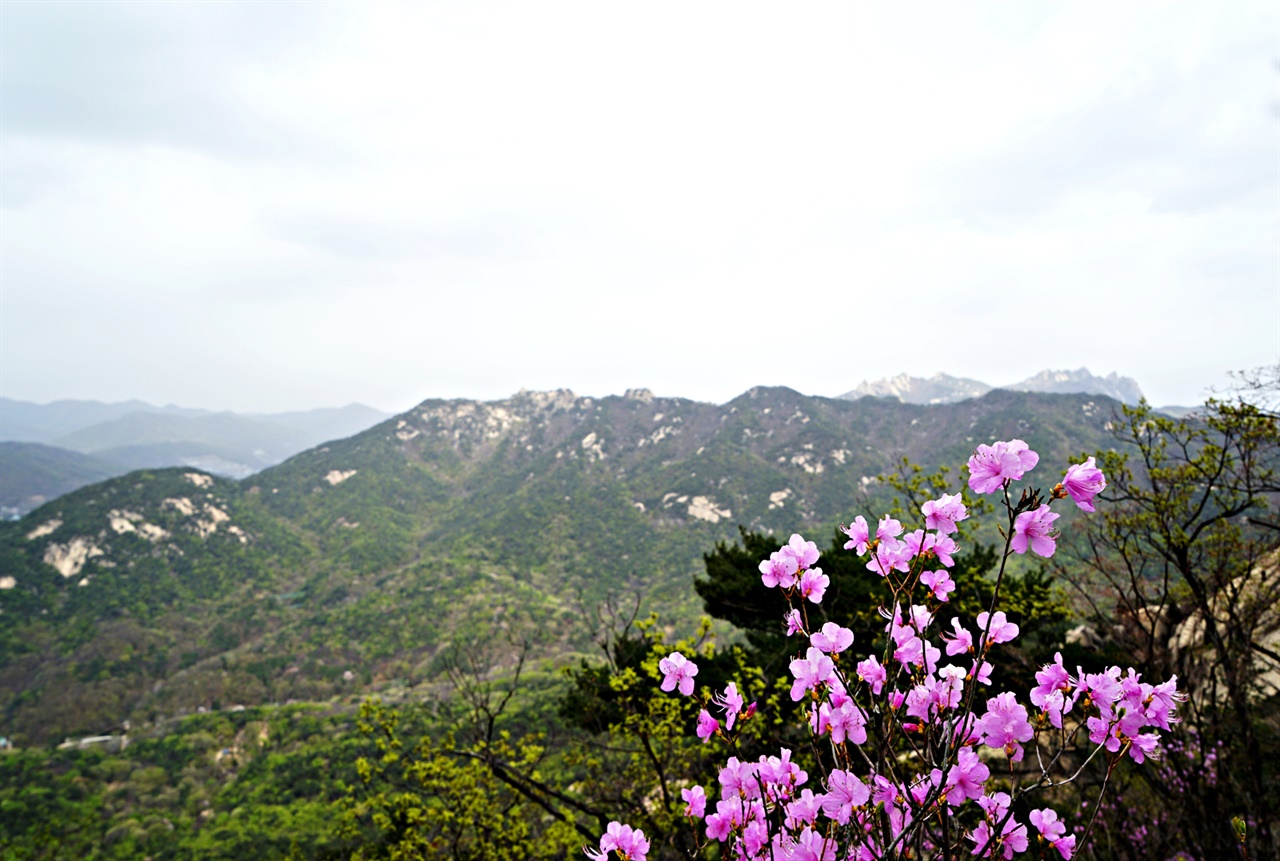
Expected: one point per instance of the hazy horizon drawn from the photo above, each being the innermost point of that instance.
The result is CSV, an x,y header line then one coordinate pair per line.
x,y
594,394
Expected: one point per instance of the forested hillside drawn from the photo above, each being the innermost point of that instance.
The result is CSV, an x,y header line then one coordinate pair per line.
x,y
352,565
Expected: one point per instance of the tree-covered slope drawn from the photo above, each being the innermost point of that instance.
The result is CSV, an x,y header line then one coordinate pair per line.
x,y
358,563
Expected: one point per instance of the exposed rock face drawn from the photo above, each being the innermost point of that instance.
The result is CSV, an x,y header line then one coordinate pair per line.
x,y
1253,599
938,389
46,528
704,508
946,389
122,522
1123,389
67,559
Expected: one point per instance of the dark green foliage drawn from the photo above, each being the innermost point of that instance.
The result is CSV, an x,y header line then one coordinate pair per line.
x,y
733,591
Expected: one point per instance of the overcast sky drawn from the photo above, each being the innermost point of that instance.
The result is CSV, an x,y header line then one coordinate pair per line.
x,y
266,207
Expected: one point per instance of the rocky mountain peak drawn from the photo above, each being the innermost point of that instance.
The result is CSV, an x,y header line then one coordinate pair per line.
x,y
946,389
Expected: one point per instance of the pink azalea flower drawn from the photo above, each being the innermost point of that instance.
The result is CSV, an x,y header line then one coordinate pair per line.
x,y
1066,846
891,554
1001,630
981,673
730,815
1034,528
924,784
813,585
845,791
1144,744
910,648
962,642
847,722
950,687
995,805
992,465
1047,823
1052,829
888,528
810,672
1102,688
1012,840
731,702
965,779
859,535
707,725
808,845
678,671
629,843
1050,695
943,513
938,582
779,570
1005,725
696,798
873,674
795,624
886,792
804,810
780,775
921,543
1083,482
943,546
805,552
921,618
755,836
1162,702
738,778
920,702
832,638
632,846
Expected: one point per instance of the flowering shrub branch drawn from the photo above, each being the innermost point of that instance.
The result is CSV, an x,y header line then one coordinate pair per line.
x,y
917,758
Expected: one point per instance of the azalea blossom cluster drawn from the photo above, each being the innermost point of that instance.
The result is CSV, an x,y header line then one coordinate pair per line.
x,y
924,759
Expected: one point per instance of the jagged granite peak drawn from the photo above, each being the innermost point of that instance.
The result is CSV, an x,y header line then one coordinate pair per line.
x,y
938,389
946,389
1080,381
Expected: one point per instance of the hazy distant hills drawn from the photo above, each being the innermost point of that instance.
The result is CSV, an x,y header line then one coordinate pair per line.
x,y
22,421
946,389
31,474
361,560
134,435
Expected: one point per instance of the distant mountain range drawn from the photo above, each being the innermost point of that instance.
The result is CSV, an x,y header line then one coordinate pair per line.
x,y
362,559
946,389
50,449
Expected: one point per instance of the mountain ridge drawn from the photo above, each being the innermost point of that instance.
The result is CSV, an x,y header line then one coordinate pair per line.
x,y
364,558
943,388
